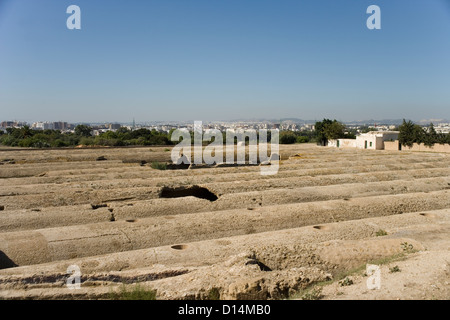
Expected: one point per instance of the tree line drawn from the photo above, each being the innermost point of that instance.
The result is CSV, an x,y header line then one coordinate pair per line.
x,y
413,133
82,135
29,138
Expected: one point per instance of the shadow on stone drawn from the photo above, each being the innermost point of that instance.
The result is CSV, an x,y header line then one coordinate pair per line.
x,y
5,261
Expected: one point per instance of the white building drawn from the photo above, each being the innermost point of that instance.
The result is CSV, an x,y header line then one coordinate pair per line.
x,y
42,125
372,140
375,140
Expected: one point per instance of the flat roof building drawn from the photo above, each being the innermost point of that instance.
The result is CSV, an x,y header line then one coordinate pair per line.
x,y
373,140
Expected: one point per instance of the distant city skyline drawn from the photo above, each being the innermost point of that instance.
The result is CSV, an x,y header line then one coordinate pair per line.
x,y
398,120
174,60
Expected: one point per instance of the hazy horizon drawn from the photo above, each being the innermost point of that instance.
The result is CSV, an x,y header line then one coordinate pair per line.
x,y
173,60
297,120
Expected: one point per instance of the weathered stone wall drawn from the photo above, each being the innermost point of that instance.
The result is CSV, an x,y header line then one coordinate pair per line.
x,y
435,148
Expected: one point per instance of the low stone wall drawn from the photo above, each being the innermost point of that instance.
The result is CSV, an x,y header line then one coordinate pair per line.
x,y
435,148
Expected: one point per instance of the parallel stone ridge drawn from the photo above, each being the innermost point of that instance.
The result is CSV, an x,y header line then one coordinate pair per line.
x,y
224,232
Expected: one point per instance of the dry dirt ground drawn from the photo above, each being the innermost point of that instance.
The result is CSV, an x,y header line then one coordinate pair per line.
x,y
308,232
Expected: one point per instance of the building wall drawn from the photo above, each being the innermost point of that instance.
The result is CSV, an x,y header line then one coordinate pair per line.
x,y
332,143
375,141
379,143
360,142
391,145
435,148
371,141
347,143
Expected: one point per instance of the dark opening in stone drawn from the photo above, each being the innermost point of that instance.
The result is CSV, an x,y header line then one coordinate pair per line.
x,y
179,247
261,265
95,206
194,191
321,227
428,215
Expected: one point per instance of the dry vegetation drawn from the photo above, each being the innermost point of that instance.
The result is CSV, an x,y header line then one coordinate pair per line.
x,y
129,222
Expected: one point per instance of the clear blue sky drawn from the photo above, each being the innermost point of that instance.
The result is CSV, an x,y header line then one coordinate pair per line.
x,y
224,59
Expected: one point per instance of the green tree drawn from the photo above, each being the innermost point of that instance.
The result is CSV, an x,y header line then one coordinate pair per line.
x,y
287,137
26,132
411,133
406,134
302,139
431,137
334,130
326,130
319,130
83,130
123,130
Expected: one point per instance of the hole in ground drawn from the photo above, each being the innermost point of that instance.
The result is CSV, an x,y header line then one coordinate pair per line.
x,y
95,206
130,220
321,227
261,265
194,191
428,215
179,246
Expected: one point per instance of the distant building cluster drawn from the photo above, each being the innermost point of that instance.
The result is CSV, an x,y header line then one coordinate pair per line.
x,y
288,125
12,124
283,126
62,126
442,128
